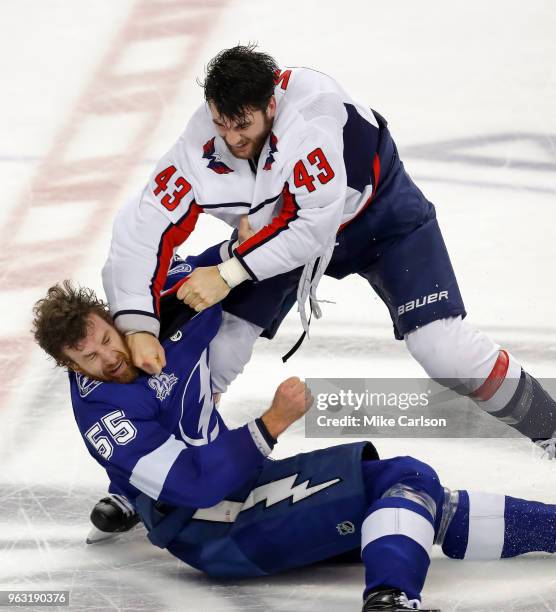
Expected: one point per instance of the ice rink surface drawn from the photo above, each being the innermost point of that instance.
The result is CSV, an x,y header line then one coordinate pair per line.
x,y
94,92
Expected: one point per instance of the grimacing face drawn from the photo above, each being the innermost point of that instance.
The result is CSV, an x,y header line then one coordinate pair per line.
x,y
103,354
245,138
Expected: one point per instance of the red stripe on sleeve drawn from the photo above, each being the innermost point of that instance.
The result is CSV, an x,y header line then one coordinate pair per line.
x,y
279,223
174,236
494,379
376,173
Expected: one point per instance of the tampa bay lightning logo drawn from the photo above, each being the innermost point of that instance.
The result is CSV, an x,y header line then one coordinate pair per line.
x,y
183,267
85,384
215,163
198,422
273,142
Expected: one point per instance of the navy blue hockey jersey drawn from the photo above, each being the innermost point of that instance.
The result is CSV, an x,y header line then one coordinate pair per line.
x,y
162,435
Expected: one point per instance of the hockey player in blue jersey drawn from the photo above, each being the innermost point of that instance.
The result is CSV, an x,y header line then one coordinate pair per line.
x,y
313,182
211,496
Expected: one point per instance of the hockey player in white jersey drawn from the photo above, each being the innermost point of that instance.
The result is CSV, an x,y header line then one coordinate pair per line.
x,y
312,181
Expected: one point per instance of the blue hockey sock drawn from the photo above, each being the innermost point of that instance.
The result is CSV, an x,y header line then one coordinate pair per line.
x,y
490,526
396,540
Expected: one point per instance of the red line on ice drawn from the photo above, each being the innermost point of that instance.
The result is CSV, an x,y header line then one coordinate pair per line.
x,y
99,180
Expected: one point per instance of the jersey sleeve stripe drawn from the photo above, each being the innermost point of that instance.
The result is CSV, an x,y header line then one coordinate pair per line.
x,y
259,439
226,205
174,235
151,470
247,268
132,312
279,224
263,204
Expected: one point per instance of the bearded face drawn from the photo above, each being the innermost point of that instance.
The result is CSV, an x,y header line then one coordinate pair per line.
x,y
245,137
103,354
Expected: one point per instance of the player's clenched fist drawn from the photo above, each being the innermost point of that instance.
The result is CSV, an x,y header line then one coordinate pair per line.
x,y
291,401
203,288
293,397
146,352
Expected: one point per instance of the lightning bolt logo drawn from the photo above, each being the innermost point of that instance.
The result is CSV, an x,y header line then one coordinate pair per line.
x,y
280,490
270,493
200,374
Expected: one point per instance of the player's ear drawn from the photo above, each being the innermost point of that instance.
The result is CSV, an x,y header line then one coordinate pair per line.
x,y
271,107
73,366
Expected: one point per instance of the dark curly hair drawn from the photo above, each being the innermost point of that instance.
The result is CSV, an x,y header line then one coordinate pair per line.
x,y
60,319
238,79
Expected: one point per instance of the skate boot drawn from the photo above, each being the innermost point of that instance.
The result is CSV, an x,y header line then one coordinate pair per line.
x,y
548,447
391,600
110,516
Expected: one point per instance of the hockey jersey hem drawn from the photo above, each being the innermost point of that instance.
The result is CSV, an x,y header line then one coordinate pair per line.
x,y
247,268
259,438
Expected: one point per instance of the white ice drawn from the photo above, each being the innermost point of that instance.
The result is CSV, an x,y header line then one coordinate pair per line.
x,y
469,92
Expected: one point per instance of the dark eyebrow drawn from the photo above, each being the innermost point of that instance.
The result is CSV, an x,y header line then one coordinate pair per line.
x,y
238,124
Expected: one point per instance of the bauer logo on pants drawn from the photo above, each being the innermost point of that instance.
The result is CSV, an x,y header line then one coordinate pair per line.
x,y
423,301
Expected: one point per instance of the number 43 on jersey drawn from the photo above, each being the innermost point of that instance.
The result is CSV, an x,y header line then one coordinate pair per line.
x,y
162,179
305,177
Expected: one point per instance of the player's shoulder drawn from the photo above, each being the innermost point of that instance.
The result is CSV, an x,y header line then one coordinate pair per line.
x,y
206,162
91,398
187,151
312,93
311,104
300,80
199,126
186,342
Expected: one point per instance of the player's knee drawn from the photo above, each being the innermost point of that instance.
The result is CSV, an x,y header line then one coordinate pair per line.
x,y
452,352
417,481
433,347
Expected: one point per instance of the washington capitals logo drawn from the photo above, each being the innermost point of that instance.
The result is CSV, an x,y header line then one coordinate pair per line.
x,y
209,152
273,149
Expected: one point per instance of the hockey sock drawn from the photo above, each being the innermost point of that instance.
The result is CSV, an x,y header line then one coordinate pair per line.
x,y
396,540
531,410
517,398
490,526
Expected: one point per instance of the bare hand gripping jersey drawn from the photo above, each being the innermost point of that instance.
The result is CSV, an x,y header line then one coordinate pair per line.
x,y
297,199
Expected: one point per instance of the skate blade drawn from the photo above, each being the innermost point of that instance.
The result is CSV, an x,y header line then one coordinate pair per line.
x,y
542,453
96,535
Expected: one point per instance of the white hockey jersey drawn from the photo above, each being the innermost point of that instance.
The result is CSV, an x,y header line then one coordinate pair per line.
x,y
298,198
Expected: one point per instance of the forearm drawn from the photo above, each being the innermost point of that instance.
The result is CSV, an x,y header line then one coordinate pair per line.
x,y
303,240
231,349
